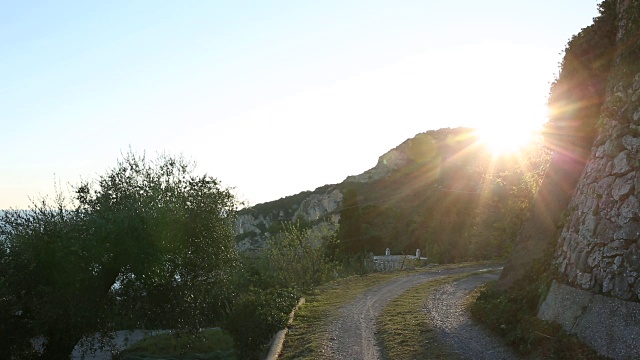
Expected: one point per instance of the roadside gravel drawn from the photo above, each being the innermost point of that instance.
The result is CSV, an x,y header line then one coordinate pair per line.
x,y
446,310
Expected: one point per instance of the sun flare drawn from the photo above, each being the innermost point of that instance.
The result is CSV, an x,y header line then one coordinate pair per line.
x,y
505,140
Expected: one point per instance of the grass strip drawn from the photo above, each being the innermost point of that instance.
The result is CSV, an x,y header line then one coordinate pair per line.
x,y
310,327
213,344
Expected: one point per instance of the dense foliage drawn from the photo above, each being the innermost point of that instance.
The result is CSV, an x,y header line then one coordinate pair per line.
x,y
148,244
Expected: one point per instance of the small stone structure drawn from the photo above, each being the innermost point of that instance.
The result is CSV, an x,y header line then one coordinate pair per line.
x,y
390,262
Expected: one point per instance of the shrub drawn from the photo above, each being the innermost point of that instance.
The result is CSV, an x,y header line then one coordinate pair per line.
x,y
255,317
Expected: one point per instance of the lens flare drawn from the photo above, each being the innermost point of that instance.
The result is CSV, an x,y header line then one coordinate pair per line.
x,y
506,139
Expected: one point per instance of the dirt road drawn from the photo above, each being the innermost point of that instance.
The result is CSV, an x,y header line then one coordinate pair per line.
x,y
352,335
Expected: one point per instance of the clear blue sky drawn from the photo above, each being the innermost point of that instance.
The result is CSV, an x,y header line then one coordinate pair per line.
x,y
271,97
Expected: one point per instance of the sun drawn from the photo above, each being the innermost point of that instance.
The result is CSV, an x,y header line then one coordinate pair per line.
x,y
506,140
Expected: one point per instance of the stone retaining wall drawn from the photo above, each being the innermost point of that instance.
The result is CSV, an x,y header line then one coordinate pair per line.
x,y
608,325
598,248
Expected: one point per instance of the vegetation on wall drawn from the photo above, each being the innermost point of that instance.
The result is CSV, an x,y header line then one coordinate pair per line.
x,y
513,316
577,99
577,95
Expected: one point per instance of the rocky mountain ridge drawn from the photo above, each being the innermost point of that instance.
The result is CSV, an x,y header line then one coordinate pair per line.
x,y
428,192
320,206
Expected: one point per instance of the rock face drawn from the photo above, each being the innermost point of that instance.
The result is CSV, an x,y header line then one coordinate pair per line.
x,y
392,160
318,209
599,249
316,206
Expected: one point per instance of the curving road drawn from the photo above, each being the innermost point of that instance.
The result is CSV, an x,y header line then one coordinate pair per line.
x,y
352,334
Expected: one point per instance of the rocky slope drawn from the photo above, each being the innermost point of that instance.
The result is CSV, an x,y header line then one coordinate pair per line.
x,y
318,208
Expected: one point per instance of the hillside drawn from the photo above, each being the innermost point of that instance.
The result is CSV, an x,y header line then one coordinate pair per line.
x,y
440,191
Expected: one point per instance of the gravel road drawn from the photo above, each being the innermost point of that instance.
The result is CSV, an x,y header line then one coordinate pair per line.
x,y
446,311
352,334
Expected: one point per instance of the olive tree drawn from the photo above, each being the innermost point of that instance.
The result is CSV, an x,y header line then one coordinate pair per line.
x,y
148,243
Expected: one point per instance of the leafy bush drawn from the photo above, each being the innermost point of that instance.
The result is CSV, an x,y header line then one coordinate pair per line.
x,y
297,258
513,317
256,316
576,97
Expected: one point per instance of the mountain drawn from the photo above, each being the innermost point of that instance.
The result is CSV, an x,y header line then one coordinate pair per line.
x,y
440,191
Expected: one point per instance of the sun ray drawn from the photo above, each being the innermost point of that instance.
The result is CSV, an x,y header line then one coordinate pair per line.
x,y
506,140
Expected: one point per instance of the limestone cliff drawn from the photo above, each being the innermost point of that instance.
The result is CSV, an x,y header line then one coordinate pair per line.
x,y
317,208
390,161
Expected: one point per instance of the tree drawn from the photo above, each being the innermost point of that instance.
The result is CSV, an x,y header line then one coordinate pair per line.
x,y
350,225
149,242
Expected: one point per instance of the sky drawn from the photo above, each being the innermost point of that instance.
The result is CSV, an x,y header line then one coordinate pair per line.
x,y
270,97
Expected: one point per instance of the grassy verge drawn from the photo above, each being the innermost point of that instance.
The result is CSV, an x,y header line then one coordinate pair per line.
x,y
405,332
513,317
310,327
214,344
